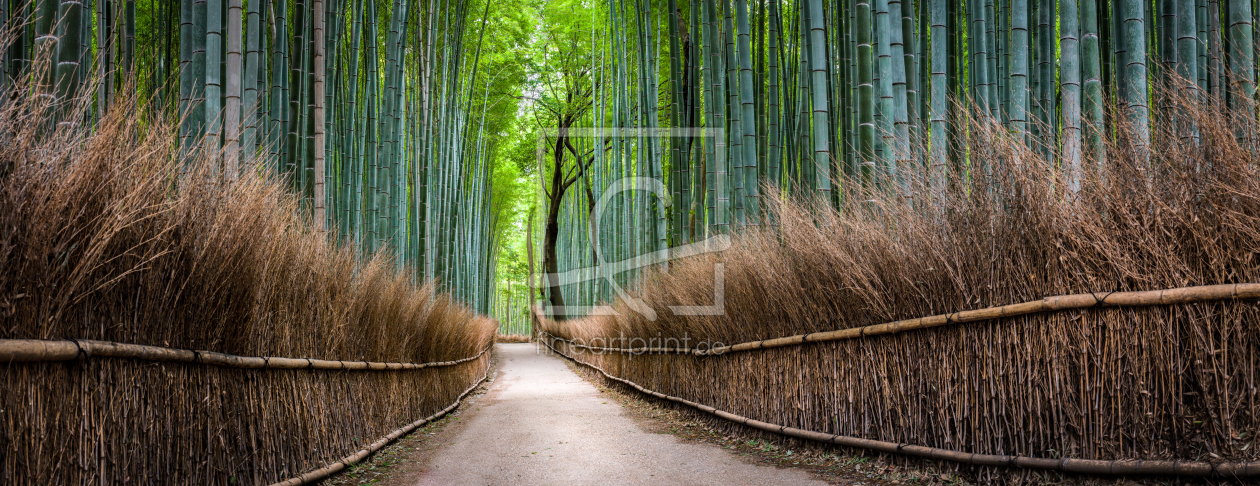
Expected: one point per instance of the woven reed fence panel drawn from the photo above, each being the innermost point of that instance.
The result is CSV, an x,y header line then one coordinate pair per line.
x,y
126,421
1170,382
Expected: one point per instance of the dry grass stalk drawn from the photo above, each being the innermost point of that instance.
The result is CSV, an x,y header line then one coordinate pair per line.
x,y
1165,382
1122,466
107,235
345,462
512,338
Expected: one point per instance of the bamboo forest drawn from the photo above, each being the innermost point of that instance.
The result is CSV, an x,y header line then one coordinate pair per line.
x,y
499,242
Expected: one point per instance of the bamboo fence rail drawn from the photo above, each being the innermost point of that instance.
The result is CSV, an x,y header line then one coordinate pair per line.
x,y
1180,295
350,460
1087,466
1022,385
34,350
162,416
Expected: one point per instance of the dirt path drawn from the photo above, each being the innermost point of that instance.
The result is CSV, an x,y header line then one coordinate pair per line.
x,y
542,424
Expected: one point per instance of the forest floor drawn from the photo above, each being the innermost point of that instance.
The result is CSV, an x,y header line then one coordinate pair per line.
x,y
538,422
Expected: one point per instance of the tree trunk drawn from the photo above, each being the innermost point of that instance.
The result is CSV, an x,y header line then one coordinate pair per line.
x,y
551,230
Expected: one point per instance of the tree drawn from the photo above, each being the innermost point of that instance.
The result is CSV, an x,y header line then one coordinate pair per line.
x,y
564,97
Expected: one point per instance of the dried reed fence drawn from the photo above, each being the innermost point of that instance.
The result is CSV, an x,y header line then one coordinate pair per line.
x,y
513,338
110,236
1171,380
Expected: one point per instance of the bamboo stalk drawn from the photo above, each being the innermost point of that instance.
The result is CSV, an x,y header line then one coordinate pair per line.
x,y
1088,466
320,218
36,351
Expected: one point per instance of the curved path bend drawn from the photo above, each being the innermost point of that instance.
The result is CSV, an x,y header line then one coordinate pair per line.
x,y
540,423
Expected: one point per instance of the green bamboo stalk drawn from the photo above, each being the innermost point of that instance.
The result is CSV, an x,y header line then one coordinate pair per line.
x,y
721,198
1019,67
306,125
1045,77
847,92
774,115
1216,69
884,119
45,56
71,14
990,45
1167,33
1070,77
938,150
924,62
752,197
694,200
900,115
911,63
249,99
1002,11
819,69
1201,32
214,86
1092,100
279,96
677,155
5,54
1136,98
835,101
372,198
759,87
979,56
866,92
185,73
1121,53
1242,59
735,170
232,110
1106,44
321,216
1187,43
292,153
803,165
106,47
198,91
129,43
